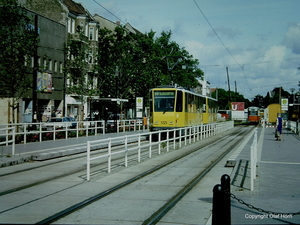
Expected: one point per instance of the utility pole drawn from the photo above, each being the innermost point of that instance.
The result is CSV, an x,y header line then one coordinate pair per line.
x,y
228,83
235,86
293,96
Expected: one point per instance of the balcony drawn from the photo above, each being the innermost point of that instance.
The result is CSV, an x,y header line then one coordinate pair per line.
x,y
77,36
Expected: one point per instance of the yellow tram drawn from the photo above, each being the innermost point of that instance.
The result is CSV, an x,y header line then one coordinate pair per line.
x,y
173,107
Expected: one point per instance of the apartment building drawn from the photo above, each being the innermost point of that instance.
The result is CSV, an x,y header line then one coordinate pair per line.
x,y
81,27
50,77
59,22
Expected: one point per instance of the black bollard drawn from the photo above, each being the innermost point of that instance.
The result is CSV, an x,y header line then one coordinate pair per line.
x,y
225,183
217,208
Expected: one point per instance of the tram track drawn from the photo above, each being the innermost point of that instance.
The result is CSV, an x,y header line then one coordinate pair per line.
x,y
54,161
157,215
81,182
161,212
49,164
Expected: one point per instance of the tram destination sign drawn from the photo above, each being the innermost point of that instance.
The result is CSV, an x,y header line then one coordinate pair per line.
x,y
166,94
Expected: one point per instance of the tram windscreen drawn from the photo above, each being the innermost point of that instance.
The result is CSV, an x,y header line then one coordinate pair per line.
x,y
252,112
164,101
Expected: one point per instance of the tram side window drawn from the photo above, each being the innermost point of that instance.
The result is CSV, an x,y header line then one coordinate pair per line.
x,y
190,103
179,101
216,106
199,103
164,101
186,102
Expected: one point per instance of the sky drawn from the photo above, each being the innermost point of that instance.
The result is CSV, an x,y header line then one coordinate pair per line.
x,y
258,41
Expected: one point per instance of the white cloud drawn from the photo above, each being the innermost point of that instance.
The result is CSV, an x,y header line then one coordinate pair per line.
x,y
275,53
292,38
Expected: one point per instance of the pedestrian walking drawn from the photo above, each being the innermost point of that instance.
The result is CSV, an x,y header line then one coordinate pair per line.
x,y
278,131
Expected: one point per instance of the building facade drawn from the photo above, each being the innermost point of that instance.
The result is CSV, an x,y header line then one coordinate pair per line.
x,y
80,21
58,23
49,77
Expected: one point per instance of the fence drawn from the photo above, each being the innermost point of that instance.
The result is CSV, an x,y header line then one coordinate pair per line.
x,y
38,132
189,134
132,125
253,159
293,126
9,138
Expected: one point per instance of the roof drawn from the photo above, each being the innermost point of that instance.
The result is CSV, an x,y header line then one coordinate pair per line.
x,y
74,7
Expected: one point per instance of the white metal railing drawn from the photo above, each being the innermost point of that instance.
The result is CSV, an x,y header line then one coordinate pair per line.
x,y
253,159
293,126
37,132
194,134
132,125
9,138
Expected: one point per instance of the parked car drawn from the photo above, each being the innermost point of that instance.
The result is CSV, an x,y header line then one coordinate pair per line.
x,y
110,123
60,123
72,119
89,124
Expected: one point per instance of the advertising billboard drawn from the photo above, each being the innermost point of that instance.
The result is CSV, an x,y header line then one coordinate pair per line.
x,y
44,82
237,106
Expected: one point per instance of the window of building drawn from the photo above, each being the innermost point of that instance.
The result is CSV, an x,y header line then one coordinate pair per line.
x,y
50,64
45,63
91,35
32,62
69,25
72,25
55,66
60,67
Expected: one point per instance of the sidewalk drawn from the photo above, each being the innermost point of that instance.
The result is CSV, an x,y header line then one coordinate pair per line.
x,y
52,149
276,186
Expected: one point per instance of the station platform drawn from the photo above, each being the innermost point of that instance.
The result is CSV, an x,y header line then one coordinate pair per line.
x,y
276,195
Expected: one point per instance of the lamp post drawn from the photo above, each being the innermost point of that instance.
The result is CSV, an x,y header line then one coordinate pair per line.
x,y
116,112
35,72
292,90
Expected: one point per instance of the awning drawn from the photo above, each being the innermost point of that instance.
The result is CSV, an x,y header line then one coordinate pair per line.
x,y
72,101
113,99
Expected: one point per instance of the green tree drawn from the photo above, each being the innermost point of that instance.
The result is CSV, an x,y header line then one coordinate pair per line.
x,y
223,98
115,66
258,101
176,57
130,64
18,41
274,96
147,65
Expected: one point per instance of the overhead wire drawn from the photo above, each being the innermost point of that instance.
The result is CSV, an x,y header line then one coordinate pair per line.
x,y
109,11
278,84
241,66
